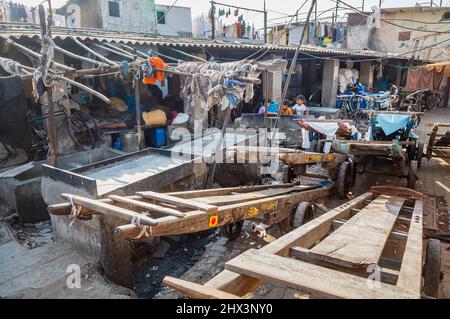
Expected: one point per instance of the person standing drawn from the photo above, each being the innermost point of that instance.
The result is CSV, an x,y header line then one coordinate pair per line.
x,y
300,108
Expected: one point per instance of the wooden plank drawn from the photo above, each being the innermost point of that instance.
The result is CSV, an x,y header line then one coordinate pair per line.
x,y
227,191
361,240
387,275
107,209
305,236
410,276
147,206
230,199
196,291
199,221
178,201
301,275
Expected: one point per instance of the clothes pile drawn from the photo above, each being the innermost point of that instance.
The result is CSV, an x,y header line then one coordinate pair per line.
x,y
214,83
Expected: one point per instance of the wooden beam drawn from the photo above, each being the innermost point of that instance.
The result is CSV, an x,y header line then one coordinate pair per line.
x,y
410,276
178,201
361,240
147,206
227,191
108,209
388,276
196,291
301,275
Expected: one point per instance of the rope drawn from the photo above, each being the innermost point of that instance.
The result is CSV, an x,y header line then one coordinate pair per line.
x,y
145,230
74,211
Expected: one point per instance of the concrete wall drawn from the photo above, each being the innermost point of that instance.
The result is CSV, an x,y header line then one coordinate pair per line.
x,y
135,16
178,21
388,37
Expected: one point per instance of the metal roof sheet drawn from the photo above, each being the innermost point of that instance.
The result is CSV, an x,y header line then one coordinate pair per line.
x,y
24,30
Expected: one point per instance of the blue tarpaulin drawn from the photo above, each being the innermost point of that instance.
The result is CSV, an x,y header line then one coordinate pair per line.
x,y
391,123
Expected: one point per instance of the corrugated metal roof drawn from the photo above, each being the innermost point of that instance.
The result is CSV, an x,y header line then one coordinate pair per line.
x,y
23,30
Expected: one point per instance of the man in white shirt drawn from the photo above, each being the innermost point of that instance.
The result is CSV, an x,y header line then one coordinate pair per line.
x,y
300,108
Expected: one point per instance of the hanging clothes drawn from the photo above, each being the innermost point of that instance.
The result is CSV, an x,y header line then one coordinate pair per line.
x,y
236,12
151,77
423,79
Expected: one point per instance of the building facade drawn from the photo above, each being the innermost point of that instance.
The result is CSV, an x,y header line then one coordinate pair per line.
x,y
403,30
173,21
114,15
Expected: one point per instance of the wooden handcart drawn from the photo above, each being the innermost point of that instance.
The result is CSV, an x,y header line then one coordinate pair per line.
x,y
339,168
370,247
151,214
439,144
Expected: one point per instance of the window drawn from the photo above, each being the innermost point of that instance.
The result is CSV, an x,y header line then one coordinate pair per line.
x,y
160,17
114,9
404,36
446,16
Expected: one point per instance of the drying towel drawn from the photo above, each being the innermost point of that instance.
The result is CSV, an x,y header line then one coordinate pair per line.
x,y
158,76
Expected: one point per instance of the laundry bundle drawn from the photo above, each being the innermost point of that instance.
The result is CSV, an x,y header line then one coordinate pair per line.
x,y
215,83
150,75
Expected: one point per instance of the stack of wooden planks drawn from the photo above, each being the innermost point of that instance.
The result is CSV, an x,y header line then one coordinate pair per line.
x,y
370,247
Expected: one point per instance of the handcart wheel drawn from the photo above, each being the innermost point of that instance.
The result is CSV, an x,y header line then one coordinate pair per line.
x,y
419,157
432,269
232,231
412,175
412,152
344,180
354,170
302,215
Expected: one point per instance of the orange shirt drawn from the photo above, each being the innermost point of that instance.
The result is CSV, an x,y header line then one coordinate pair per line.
x,y
287,111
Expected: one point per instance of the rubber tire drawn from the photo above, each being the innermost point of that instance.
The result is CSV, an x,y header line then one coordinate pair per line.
x,y
419,156
354,170
344,177
302,215
432,269
232,231
412,175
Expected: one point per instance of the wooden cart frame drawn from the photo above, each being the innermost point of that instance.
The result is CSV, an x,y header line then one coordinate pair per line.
x,y
330,256
151,214
438,143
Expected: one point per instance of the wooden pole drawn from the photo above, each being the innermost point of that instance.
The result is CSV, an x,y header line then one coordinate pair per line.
x,y
137,97
447,93
213,23
47,31
265,22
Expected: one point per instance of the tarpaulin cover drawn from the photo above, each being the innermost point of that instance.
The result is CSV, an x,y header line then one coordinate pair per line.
x,y
14,127
391,123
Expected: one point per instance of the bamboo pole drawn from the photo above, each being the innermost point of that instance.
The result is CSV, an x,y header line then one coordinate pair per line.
x,y
76,56
101,57
128,56
107,209
34,54
84,87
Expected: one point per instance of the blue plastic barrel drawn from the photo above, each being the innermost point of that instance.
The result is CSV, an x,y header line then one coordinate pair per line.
x,y
158,137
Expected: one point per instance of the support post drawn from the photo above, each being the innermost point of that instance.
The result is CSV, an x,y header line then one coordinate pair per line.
x,y
447,92
265,22
330,82
366,74
51,111
137,97
213,23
